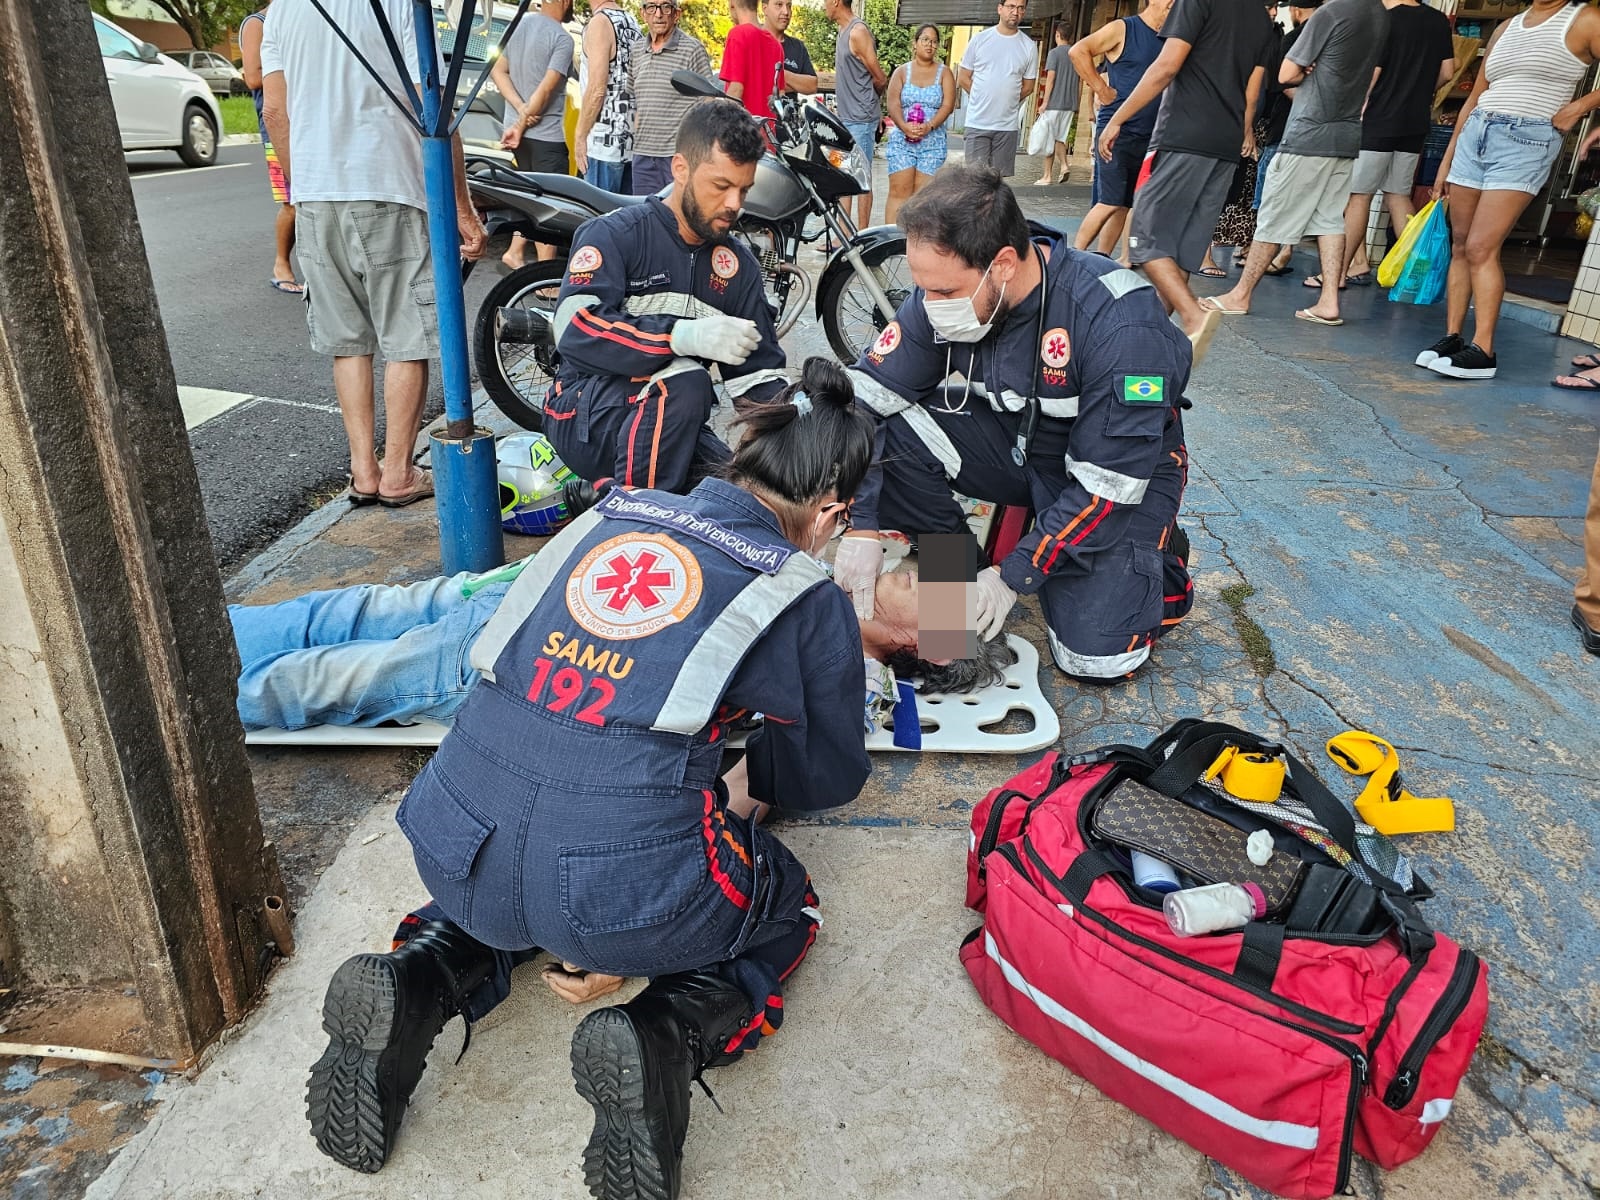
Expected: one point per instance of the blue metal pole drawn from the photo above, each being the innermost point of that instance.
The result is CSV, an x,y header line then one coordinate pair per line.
x,y
463,455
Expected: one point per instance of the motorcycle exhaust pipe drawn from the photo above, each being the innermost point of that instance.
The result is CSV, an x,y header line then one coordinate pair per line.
x,y
792,314
521,326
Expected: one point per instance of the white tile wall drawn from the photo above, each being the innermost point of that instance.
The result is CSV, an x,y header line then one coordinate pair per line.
x,y
1583,310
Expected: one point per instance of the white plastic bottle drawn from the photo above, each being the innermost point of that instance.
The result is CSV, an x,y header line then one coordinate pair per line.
x,y
1216,906
1150,872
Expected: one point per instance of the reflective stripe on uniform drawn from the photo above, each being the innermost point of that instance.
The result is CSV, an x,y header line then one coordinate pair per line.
x,y
716,656
875,396
673,304
520,599
1273,1132
569,308
1106,483
1122,281
1097,666
931,435
1064,407
741,385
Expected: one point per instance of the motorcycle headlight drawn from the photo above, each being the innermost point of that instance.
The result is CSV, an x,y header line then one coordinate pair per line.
x,y
853,163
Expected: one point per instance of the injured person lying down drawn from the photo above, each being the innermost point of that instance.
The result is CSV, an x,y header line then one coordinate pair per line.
x,y
375,653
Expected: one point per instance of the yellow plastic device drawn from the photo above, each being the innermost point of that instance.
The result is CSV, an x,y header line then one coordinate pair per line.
x,y
1384,803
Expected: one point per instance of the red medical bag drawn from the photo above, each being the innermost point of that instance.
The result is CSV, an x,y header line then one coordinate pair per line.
x,y
1278,1051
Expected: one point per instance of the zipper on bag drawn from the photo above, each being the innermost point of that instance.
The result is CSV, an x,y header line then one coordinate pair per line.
x,y
1452,1003
1059,773
1359,1069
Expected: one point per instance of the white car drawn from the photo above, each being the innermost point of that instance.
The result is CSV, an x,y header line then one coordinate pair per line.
x,y
225,78
160,105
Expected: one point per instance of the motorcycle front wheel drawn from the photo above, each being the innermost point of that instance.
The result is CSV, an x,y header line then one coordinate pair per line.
x,y
850,314
516,375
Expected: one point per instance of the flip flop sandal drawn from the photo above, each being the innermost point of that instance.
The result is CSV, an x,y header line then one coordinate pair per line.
x,y
421,490
1305,314
1212,272
287,286
1362,280
358,499
1212,304
1576,383
1200,342
1586,362
1283,270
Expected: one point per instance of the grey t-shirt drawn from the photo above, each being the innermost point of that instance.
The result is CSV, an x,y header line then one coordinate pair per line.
x,y
539,46
1061,86
1340,44
854,94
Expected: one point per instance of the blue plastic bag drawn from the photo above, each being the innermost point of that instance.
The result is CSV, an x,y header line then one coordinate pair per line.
x,y
1422,279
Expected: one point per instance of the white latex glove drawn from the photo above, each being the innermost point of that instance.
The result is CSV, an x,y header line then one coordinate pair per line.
x,y
995,599
724,339
855,569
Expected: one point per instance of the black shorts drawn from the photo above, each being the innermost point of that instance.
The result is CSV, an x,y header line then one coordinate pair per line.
x,y
1177,208
1114,180
548,158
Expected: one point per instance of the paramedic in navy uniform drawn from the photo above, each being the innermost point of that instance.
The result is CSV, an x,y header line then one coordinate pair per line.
x,y
1103,472
577,804
655,293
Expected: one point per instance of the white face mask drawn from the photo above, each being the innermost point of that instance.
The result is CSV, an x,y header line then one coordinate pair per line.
x,y
957,320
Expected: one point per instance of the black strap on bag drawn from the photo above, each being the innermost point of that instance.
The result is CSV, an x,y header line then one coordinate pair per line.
x,y
1197,747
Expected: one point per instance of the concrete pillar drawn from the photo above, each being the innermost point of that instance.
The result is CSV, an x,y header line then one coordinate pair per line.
x,y
131,850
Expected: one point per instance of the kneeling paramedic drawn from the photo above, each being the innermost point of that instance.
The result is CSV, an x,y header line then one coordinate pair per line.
x,y
576,804
654,294
1073,379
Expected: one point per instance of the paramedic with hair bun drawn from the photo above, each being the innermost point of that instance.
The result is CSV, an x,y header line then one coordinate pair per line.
x,y
577,804
1072,384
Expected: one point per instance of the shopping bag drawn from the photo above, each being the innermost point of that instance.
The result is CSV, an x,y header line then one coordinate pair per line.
x,y
1422,278
1039,137
1389,268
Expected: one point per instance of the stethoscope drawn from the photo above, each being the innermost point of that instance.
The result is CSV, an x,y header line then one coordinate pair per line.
x,y
1029,424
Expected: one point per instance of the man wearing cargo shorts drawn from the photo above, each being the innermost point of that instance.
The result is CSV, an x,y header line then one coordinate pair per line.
x,y
1308,183
361,223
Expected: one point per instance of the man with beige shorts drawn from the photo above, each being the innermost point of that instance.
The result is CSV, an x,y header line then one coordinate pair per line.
x,y
361,223
1309,180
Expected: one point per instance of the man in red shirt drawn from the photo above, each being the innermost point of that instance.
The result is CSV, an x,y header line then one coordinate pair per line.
x,y
752,60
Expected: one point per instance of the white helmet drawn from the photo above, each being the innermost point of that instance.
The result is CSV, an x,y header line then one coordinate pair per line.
x,y
531,478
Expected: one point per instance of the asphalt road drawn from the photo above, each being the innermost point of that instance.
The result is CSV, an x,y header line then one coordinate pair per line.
x,y
262,462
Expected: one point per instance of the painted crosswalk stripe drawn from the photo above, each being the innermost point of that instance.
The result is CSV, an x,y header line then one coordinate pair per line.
x,y
204,404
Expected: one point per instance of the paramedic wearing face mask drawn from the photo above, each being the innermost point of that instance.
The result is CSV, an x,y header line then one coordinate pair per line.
x,y
1071,383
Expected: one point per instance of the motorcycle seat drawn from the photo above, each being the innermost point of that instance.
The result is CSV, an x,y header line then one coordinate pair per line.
x,y
580,191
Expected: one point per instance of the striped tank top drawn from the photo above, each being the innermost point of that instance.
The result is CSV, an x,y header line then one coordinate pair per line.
x,y
1531,71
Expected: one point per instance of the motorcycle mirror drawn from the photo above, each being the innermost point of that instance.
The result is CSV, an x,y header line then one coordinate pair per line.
x,y
687,83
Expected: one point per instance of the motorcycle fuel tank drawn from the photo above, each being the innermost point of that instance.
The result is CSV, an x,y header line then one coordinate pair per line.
x,y
776,193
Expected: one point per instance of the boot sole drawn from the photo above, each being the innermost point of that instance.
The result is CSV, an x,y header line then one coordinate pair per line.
x,y
621,1161
344,1098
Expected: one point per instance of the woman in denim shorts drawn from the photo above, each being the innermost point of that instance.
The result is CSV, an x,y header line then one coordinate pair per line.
x,y
915,149
1508,137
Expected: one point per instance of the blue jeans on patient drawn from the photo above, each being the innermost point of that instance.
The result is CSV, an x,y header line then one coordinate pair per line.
x,y
360,655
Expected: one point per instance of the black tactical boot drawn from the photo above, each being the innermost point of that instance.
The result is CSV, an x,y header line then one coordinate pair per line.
x,y
633,1063
381,1014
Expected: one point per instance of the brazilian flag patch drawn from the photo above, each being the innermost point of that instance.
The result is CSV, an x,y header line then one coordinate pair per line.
x,y
1143,389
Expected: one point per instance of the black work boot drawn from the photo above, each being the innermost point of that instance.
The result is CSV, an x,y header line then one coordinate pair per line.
x,y
382,1013
633,1063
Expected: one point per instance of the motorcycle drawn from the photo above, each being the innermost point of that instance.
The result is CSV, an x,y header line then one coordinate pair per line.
x,y
811,168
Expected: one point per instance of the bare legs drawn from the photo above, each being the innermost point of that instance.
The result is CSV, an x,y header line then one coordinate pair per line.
x,y
1172,285
405,384
1103,222
863,208
902,185
1330,246
1479,223
283,237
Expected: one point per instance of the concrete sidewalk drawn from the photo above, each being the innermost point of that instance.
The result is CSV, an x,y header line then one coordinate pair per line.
x,y
1377,548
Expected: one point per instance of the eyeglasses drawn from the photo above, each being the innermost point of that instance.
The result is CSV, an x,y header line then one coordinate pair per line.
x,y
659,8
1014,8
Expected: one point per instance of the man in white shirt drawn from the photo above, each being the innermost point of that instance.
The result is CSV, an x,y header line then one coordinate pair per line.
x,y
997,72
361,222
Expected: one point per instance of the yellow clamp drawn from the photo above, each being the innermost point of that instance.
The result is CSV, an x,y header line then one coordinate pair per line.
x,y
1384,803
1248,775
